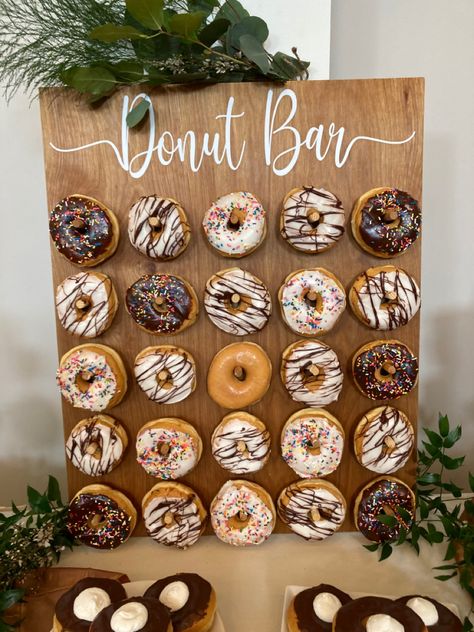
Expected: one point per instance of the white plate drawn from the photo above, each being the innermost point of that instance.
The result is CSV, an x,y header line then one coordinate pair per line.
x,y
292,591
136,589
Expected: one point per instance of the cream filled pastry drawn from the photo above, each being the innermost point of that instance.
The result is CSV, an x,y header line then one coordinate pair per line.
x,y
314,609
242,513
312,220
158,227
86,304
312,441
311,373
173,514
376,614
168,448
96,445
166,374
136,614
237,302
311,301
434,615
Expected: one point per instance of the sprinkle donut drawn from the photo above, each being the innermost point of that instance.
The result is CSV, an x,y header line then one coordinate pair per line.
x,y
383,496
312,441
311,373
235,224
384,297
166,374
101,517
311,301
158,227
312,220
242,513
385,369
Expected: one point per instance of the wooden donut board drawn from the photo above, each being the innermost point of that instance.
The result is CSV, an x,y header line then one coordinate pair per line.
x,y
389,109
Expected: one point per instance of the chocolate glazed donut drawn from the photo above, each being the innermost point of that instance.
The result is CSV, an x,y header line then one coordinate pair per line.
x,y
158,617
447,621
353,616
303,608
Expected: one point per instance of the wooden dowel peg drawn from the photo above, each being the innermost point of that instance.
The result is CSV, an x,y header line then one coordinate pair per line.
x,y
93,449
313,216
314,370
87,376
83,303
390,296
239,373
390,215
234,219
235,300
315,514
390,443
168,519
242,516
154,222
78,223
389,368
96,521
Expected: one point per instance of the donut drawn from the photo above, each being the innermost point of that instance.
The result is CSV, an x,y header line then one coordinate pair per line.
x,y
237,302
96,445
168,448
235,224
435,616
86,304
101,517
311,220
384,297
162,303
166,374
79,606
311,301
376,614
311,373
239,375
92,376
83,230
136,614
384,495
158,227
242,513
386,222
190,599
384,440
173,514
313,509
315,608
312,441
385,369
241,443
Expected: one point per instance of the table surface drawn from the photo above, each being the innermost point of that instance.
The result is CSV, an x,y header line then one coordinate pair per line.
x,y
250,583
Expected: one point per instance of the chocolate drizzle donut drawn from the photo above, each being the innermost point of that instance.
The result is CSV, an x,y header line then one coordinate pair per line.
x,y
323,600
166,374
435,616
359,614
136,613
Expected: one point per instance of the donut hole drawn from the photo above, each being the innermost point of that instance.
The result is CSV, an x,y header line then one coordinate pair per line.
x,y
236,219
170,519
83,305
164,380
79,224
163,448
159,305
239,521
312,376
94,450
389,299
155,225
236,302
389,445
84,380
242,449
313,217
385,372
314,299
313,446
97,521
391,216
239,373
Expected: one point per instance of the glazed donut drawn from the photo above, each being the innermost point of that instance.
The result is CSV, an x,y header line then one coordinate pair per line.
x,y
383,496
384,297
174,514
158,227
235,224
83,230
241,443
86,304
311,301
101,517
92,376
237,302
242,513
435,616
166,374
312,220
136,614
168,448
315,608
239,375
79,606
312,441
386,222
376,614
162,303
311,373
385,369
313,509
190,599
384,440
96,445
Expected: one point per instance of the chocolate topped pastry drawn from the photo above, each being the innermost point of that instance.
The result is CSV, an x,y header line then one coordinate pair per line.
x,y
137,614
376,614
314,609
435,616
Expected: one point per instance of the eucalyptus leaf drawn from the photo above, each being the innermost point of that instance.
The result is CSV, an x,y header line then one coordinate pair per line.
x,y
114,32
186,24
253,49
149,13
250,25
94,80
287,67
206,6
128,71
138,113
233,11
213,31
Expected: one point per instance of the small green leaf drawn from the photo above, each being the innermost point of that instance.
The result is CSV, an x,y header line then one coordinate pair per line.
x,y
371,547
443,423
386,551
233,11
138,113
444,578
402,536
424,511
54,492
213,31
430,478
451,464
128,71
405,515
469,507
148,13
389,521
253,49
206,6
453,437
9,598
286,67
434,438
94,80
467,626
115,32
250,25
186,24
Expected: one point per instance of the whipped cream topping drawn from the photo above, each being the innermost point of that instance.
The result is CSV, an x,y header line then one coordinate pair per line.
x,y
90,602
325,606
174,596
424,609
130,617
383,623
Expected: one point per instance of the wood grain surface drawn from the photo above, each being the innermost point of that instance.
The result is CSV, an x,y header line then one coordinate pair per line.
x,y
389,109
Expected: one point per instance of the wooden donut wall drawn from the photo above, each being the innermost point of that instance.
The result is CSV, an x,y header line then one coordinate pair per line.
x,y
389,109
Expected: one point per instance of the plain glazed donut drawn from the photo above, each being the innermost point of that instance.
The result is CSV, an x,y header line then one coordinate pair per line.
x,y
314,609
239,375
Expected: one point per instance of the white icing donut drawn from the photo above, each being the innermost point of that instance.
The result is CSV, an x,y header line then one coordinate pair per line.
x,y
86,304
235,224
241,445
90,602
311,301
237,302
95,445
157,227
311,373
131,617
166,374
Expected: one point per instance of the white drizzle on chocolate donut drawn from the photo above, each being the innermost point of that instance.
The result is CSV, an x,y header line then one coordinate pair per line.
x,y
94,446
165,374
